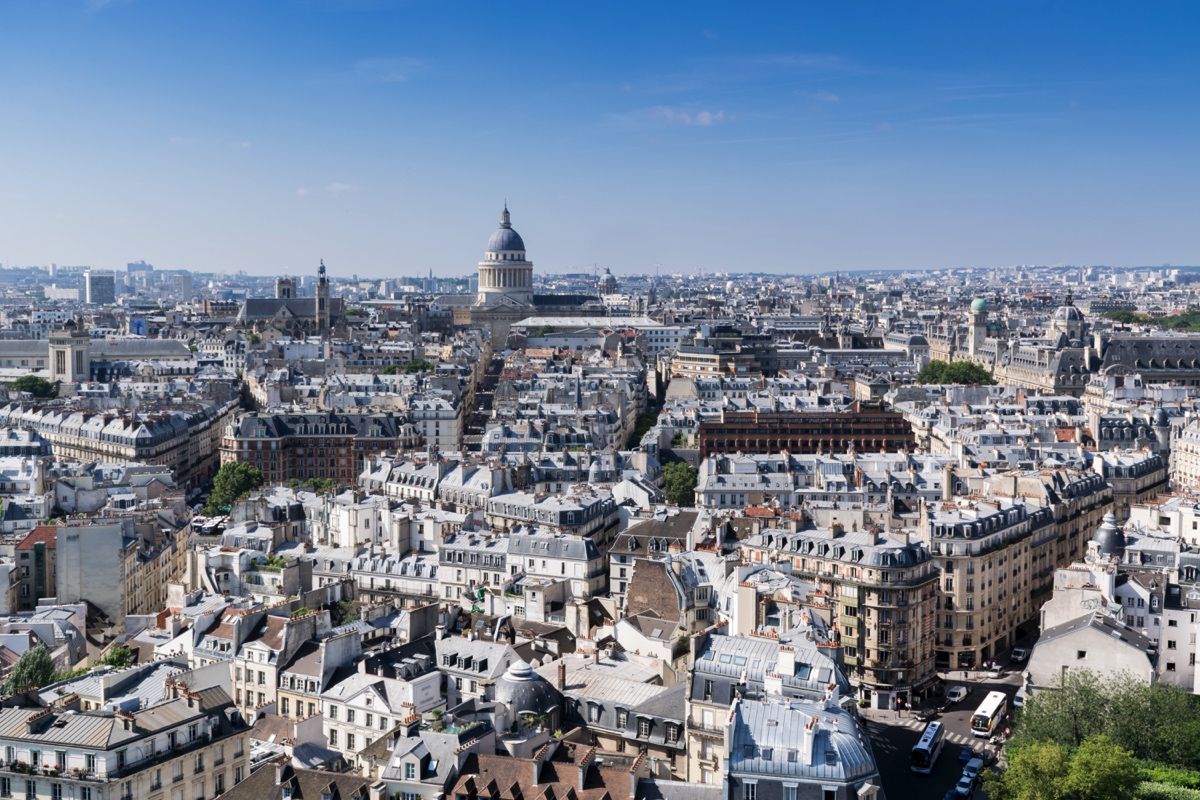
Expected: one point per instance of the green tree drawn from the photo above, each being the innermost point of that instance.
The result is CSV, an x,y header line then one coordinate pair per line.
x,y
320,485
544,330
1100,770
118,657
391,369
1077,709
964,372
1038,771
33,670
343,613
418,365
1121,315
38,387
234,479
679,483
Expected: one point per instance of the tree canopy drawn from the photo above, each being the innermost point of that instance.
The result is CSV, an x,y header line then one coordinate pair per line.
x,y
320,485
118,657
33,670
968,372
38,387
679,483
234,479
1157,722
1097,770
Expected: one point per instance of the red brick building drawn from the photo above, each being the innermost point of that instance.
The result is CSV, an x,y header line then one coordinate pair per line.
x,y
867,430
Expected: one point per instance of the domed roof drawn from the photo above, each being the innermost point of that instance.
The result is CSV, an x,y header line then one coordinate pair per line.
x,y
505,238
523,690
1068,314
1109,537
979,304
1160,418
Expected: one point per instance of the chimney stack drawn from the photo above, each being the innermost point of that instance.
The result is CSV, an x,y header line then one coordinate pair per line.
x,y
562,678
808,741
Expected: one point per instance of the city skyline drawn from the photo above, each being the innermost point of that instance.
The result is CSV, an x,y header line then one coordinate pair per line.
x,y
385,137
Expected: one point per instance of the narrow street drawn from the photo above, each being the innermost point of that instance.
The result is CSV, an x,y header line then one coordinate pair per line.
x,y
893,737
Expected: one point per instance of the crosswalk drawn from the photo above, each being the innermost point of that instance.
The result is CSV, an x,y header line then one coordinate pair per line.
x,y
949,736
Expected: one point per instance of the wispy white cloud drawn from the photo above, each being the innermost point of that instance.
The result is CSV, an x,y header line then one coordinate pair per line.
x,y
825,97
303,191
701,118
388,70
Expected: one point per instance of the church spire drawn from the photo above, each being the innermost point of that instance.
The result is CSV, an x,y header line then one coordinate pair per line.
x,y
504,219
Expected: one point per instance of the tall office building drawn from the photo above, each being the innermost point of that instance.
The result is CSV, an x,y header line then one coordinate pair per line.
x,y
99,288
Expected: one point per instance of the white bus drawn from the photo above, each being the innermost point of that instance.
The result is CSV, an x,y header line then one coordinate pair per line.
x,y
925,753
988,715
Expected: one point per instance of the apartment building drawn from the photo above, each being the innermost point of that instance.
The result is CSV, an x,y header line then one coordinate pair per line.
x,y
881,592
581,511
271,643
387,688
328,445
189,746
37,560
311,672
122,565
1135,477
997,561
469,663
834,431
181,435
724,666
469,562
438,420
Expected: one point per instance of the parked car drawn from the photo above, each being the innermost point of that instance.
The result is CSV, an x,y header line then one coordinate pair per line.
x,y
968,755
957,694
927,714
973,768
1019,654
965,786
995,672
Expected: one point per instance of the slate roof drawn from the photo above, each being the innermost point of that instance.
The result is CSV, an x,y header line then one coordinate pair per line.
x,y
764,731
305,784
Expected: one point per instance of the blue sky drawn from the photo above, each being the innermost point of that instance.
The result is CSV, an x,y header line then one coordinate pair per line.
x,y
784,137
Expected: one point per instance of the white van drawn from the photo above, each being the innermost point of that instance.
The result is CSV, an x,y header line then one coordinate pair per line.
x,y
957,694
1019,698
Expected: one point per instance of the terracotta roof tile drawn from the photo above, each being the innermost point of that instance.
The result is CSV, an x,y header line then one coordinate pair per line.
x,y
42,534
